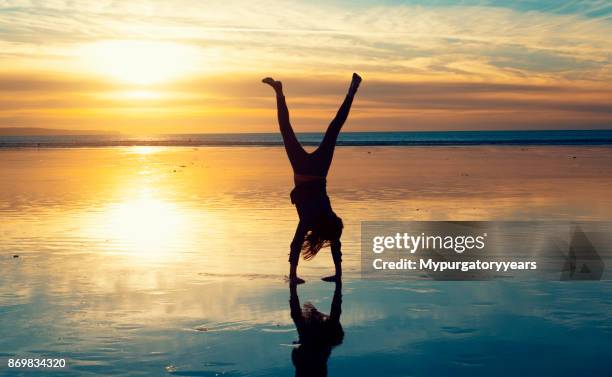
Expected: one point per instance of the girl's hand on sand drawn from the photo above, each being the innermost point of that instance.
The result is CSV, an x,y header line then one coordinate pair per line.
x,y
333,278
294,280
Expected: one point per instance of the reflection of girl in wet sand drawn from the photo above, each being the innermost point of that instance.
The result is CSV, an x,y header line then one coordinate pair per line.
x,y
318,226
318,333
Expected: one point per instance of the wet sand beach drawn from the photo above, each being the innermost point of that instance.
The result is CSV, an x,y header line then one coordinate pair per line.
x,y
171,261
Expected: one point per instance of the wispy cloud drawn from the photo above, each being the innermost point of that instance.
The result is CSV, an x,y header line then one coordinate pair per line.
x,y
424,61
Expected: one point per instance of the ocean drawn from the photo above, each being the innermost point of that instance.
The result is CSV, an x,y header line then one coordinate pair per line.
x,y
433,138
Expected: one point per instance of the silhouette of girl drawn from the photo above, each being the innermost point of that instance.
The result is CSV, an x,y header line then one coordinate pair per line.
x,y
319,226
318,333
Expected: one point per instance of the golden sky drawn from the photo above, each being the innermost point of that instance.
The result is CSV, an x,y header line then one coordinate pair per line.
x,y
195,66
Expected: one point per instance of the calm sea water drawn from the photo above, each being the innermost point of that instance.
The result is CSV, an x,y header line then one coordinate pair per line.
x,y
161,261
553,137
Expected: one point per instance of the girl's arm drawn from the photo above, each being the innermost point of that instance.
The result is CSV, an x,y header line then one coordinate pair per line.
x,y
336,252
294,254
336,249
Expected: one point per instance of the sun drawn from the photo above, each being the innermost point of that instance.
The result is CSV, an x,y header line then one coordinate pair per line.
x,y
140,62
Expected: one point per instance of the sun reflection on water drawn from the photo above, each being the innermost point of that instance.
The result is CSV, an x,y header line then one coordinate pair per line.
x,y
144,149
145,226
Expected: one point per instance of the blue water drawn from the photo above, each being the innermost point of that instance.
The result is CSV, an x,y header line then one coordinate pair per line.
x,y
431,329
549,137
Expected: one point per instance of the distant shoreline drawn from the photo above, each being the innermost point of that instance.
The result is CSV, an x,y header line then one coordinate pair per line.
x,y
38,131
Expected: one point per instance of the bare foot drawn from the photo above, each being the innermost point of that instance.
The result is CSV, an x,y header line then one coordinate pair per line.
x,y
355,84
277,85
295,280
333,278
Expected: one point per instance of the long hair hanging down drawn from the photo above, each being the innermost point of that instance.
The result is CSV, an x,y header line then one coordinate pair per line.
x,y
326,229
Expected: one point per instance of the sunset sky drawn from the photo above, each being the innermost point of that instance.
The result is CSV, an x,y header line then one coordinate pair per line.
x,y
195,66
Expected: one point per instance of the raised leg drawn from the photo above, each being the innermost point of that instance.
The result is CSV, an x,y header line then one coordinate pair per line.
x,y
325,151
295,152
